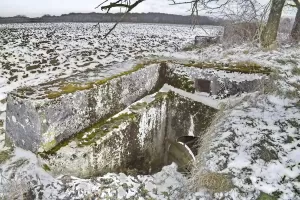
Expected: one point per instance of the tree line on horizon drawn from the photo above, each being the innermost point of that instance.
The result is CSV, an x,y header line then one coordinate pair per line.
x,y
114,17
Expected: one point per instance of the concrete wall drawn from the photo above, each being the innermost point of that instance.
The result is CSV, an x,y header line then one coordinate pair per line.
x,y
40,124
135,140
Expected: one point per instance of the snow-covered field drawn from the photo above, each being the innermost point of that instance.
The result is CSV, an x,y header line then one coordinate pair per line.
x,y
256,142
34,53
31,54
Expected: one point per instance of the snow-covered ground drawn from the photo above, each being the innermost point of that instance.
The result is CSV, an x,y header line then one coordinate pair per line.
x,y
256,142
35,53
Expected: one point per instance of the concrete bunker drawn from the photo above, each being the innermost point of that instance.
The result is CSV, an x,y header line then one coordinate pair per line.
x,y
136,140
127,122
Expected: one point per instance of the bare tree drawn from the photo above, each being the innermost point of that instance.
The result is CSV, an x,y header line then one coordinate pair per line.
x,y
269,32
233,10
127,4
242,18
295,33
242,10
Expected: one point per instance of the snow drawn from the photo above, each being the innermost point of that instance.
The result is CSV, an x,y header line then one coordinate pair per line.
x,y
203,98
256,140
162,185
251,139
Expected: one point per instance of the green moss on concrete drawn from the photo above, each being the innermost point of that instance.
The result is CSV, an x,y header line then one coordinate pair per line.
x,y
49,145
265,196
70,88
46,167
90,135
67,88
8,142
241,67
5,155
54,95
101,128
181,82
160,96
138,106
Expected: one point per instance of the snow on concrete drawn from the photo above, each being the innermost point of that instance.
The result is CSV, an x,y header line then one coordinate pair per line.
x,y
257,142
163,185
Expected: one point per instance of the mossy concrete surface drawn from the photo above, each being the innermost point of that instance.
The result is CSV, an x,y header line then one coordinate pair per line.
x,y
40,124
64,108
240,67
265,196
5,155
222,83
137,139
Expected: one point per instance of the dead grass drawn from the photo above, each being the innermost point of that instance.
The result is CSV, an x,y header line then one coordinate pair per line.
x,y
198,178
215,182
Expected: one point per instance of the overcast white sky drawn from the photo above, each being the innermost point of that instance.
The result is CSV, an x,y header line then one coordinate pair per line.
x,y
36,8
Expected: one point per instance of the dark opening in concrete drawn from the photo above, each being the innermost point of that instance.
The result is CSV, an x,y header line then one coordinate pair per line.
x,y
183,152
202,85
191,141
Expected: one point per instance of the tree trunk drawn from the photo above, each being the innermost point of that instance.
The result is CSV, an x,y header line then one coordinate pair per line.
x,y
269,33
295,34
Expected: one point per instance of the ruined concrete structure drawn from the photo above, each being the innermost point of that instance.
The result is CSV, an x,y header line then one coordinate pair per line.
x,y
85,127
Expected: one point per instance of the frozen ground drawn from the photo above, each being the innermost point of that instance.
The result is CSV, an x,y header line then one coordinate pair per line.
x,y
256,142
34,53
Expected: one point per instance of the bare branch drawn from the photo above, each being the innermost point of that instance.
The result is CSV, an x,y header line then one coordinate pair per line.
x,y
119,4
101,4
234,10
